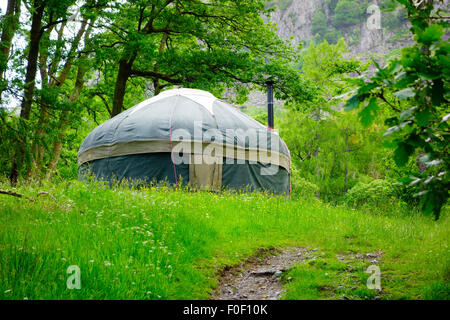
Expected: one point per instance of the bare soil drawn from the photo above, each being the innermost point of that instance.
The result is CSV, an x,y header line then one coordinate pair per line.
x,y
259,277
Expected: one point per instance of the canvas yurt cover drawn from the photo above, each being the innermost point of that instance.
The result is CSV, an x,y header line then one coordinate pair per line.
x,y
187,136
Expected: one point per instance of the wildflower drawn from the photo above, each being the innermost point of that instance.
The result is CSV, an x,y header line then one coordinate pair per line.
x,y
107,263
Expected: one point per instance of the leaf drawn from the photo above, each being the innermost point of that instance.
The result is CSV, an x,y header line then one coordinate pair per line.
x,y
423,117
352,103
432,33
416,181
446,118
421,193
406,114
404,94
368,114
367,88
402,153
391,130
391,121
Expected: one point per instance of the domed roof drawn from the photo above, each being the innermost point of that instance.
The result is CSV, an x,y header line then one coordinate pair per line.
x,y
179,115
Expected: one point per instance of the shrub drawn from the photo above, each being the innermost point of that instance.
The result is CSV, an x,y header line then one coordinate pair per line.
x,y
332,36
375,193
302,188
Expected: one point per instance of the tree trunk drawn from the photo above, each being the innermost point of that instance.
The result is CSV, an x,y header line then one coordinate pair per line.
x,y
62,126
45,109
347,150
10,23
121,85
57,145
30,78
316,151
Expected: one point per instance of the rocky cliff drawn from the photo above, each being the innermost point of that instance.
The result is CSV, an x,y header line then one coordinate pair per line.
x,y
307,20
301,20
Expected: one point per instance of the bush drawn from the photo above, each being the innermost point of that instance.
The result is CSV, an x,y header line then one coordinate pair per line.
x,y
302,188
332,36
375,193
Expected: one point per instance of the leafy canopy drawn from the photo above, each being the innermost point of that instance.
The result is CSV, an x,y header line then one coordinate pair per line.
x,y
416,88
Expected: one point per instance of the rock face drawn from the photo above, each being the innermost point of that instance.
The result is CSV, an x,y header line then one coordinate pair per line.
x,y
295,18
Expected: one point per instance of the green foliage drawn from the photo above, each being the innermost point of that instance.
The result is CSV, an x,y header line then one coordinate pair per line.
x,y
121,53
171,244
331,4
322,276
437,291
329,148
321,31
416,89
376,193
302,188
395,19
400,35
332,36
319,24
347,14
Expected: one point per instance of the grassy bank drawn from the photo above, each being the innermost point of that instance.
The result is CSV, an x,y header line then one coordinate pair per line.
x,y
166,244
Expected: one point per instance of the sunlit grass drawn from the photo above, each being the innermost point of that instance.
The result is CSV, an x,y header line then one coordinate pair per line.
x,y
168,244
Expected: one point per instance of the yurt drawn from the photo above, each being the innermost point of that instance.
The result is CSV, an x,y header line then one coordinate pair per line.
x,y
187,136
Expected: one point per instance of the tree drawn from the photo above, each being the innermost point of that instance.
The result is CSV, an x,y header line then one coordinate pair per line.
x,y
212,46
81,55
416,88
347,13
36,130
9,23
316,132
319,24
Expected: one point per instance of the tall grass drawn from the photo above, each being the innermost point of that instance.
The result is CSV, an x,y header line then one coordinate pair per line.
x,y
170,244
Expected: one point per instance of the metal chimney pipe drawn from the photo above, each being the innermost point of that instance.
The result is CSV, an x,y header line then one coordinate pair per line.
x,y
270,104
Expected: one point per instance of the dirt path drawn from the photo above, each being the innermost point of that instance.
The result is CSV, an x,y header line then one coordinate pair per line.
x,y
258,278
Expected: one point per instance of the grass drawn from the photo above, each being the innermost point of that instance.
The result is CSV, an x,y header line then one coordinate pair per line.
x,y
169,244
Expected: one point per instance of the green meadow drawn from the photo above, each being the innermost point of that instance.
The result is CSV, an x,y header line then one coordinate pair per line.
x,y
161,243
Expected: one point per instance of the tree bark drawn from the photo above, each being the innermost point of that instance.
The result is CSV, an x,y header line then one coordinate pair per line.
x,y
57,145
30,78
62,126
316,151
55,81
33,54
11,21
125,67
347,150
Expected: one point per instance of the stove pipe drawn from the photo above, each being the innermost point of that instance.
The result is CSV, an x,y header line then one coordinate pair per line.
x,y
270,124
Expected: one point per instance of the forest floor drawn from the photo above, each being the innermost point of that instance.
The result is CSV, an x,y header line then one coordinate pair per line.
x,y
174,244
